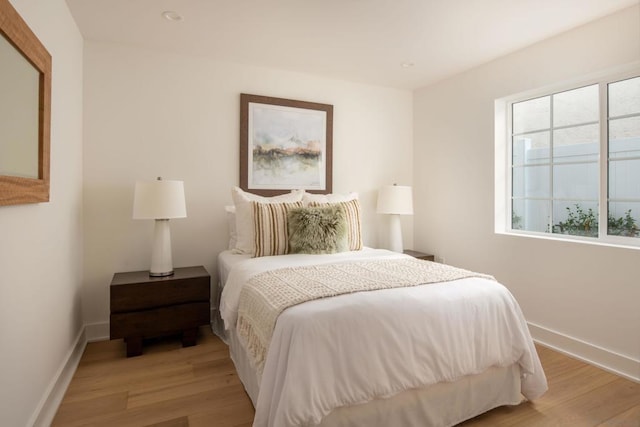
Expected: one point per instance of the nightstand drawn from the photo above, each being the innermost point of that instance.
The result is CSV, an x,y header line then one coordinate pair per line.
x,y
147,307
419,255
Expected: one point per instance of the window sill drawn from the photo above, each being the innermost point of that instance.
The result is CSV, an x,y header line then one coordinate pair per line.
x,y
620,243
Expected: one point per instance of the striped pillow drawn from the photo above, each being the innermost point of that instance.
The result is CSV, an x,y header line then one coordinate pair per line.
x,y
352,213
270,227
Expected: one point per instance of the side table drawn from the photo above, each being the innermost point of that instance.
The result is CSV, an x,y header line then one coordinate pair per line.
x,y
419,255
146,307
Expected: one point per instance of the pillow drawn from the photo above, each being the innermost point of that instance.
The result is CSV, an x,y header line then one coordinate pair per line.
x,y
270,225
317,230
244,220
309,198
231,225
352,214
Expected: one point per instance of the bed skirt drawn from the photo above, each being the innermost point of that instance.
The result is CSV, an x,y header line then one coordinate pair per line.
x,y
443,404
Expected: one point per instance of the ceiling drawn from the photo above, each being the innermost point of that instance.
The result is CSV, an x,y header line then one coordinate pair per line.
x,y
357,40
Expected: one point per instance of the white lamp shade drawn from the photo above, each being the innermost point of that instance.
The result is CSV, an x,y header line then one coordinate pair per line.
x,y
395,199
161,199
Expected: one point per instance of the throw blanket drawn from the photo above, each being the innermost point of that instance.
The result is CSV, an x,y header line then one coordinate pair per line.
x,y
268,294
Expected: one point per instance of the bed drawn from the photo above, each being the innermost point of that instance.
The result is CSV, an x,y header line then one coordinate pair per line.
x,y
432,354
326,332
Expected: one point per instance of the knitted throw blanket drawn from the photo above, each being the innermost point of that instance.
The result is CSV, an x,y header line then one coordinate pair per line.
x,y
268,294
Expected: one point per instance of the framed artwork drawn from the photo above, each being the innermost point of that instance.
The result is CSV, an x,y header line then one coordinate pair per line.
x,y
285,145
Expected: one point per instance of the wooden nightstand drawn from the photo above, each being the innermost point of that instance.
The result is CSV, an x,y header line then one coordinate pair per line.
x,y
147,307
419,255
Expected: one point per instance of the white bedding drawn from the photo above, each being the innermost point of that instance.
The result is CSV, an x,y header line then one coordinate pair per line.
x,y
350,349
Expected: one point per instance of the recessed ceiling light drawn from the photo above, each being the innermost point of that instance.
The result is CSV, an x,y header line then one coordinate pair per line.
x,y
170,15
407,64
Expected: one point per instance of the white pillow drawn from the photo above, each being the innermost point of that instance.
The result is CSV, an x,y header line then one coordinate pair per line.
x,y
309,198
231,224
245,235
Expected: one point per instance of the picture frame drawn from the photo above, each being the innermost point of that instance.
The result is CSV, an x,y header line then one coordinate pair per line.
x,y
285,145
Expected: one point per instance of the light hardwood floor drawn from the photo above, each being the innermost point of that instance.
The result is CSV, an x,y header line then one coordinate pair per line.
x,y
170,386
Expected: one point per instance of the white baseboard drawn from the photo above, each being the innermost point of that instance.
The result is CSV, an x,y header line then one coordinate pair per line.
x,y
601,357
48,406
97,331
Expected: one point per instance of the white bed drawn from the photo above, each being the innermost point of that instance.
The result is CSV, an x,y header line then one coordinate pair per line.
x,y
382,370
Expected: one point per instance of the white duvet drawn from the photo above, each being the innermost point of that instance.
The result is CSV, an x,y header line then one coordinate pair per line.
x,y
353,348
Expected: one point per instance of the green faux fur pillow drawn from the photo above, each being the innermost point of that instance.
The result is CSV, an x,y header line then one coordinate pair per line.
x,y
317,230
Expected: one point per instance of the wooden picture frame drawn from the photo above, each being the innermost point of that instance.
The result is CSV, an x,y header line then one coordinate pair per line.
x,y
16,188
285,145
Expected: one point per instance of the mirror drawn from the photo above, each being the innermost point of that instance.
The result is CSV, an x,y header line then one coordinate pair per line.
x,y
19,86
25,111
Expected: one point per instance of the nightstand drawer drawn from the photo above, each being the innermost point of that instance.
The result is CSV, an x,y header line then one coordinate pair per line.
x,y
137,291
159,321
140,296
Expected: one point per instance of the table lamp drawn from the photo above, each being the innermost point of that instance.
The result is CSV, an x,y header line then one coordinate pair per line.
x,y
395,200
160,200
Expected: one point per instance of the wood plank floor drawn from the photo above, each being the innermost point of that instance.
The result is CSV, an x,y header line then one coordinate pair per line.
x,y
170,386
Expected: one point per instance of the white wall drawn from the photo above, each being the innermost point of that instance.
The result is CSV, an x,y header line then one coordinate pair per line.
x,y
151,114
579,297
41,244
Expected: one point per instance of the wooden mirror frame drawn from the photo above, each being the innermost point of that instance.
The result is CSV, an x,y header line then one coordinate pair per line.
x,y
17,190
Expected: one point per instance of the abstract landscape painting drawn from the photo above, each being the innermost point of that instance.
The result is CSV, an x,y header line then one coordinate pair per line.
x,y
287,146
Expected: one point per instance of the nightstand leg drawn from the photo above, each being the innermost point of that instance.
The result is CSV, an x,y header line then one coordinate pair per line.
x,y
134,346
189,337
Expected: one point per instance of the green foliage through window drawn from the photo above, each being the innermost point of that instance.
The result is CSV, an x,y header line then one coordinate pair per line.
x,y
585,223
623,226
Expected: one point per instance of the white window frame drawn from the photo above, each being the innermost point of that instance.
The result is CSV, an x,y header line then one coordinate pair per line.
x,y
503,158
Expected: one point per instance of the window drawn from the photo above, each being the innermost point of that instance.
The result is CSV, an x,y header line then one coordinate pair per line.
x,y
573,158
624,158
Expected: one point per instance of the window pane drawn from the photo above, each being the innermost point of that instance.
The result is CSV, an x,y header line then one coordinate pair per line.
x,y
531,181
575,218
624,219
530,215
534,114
576,144
531,148
624,137
578,181
624,179
624,97
576,106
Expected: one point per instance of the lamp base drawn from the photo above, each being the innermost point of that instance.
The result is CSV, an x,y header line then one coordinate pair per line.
x,y
161,262
165,274
395,234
